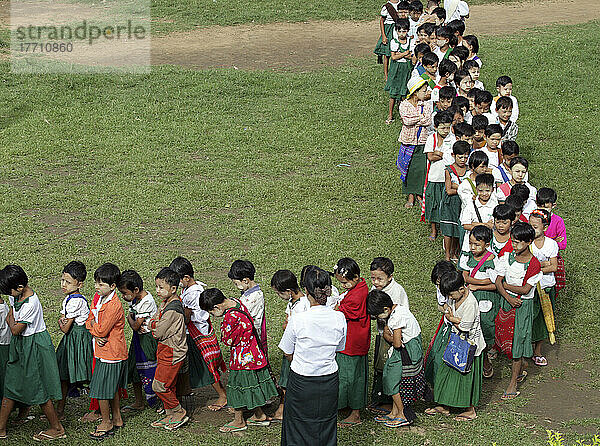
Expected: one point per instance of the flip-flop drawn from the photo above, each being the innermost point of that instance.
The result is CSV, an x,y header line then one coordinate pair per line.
x,y
28,418
228,428
43,436
3,437
492,354
489,373
378,410
382,419
522,376
397,422
172,425
103,434
464,418
540,361
509,396
389,121
345,423
263,423
431,238
159,423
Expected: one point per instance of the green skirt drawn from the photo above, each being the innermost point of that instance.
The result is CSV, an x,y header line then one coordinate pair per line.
x,y
380,48
200,376
75,354
455,389
522,347
353,389
433,199
285,372
398,77
107,379
250,388
488,319
450,215
4,352
32,376
149,345
539,331
434,360
393,370
415,177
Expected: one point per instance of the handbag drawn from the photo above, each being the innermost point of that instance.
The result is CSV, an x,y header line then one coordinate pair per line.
x,y
505,330
459,353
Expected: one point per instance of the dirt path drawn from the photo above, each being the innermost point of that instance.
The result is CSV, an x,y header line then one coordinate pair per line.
x,y
310,45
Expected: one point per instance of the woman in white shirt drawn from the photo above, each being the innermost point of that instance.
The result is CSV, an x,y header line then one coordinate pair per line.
x,y
310,341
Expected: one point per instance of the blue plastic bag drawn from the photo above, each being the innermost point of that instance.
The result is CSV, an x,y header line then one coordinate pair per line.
x,y
459,353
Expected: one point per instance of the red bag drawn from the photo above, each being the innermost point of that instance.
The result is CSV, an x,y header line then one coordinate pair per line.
x,y
505,330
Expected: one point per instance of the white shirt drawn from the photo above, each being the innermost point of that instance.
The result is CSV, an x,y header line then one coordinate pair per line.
x,y
32,315
514,273
548,251
334,299
5,333
397,47
402,318
190,298
75,308
436,171
456,9
145,308
314,337
470,321
254,300
478,84
300,306
396,293
468,216
493,157
465,191
515,110
388,20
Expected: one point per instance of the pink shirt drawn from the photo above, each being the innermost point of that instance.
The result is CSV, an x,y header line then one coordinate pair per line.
x,y
414,118
557,229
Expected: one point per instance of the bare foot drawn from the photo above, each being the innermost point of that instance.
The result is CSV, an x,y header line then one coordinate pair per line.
x,y
219,404
90,417
409,204
278,415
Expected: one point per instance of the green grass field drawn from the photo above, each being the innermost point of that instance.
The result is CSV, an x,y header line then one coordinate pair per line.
x,y
219,165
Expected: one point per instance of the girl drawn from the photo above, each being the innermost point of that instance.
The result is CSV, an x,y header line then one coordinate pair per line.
x,y
478,163
401,66
352,361
518,169
334,299
463,82
546,199
451,387
389,17
310,342
250,385
472,44
411,161
285,285
32,371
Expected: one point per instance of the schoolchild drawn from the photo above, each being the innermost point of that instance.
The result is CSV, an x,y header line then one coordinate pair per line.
x,y
504,86
388,18
400,67
472,44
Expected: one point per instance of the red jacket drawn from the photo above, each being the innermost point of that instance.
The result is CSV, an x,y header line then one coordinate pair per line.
x,y
354,307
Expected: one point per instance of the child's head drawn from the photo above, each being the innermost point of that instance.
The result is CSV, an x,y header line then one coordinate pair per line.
x,y
516,203
452,285
462,103
379,304
317,283
284,283
484,184
440,16
504,215
463,82
441,268
539,220
382,270
420,50
510,149
417,87
471,97
473,68
520,190
518,168
504,108
456,27
483,100
479,123
459,55
130,285
446,69
212,300
430,63
241,274
184,268
480,239
442,121
447,94
403,7
432,4
347,272
424,32
13,280
478,162
73,276
106,278
521,236
166,282
443,36
402,27
493,136
504,86
415,10
546,198
464,132
461,150
472,44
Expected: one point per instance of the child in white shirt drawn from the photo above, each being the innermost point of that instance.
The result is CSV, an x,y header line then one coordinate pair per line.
x,y
480,210
504,86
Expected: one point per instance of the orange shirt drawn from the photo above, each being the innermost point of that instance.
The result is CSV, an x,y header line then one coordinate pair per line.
x,y
111,324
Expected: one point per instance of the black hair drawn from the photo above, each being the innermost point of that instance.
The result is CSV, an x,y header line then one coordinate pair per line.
x,y
521,190
522,232
305,269
210,298
461,52
480,122
347,268
510,148
493,129
482,233
461,148
483,96
473,42
402,24
463,129
503,81
460,102
504,212
108,273
182,266
318,284
519,160
470,64
478,158
451,281
241,269
543,214
428,28
484,178
515,202
472,92
444,33
283,280
130,280
169,276
429,59
456,26
440,268
11,278
460,75
422,48
440,13
446,67
545,195
504,102
76,270
403,5
384,264
442,117
377,300
416,6
447,92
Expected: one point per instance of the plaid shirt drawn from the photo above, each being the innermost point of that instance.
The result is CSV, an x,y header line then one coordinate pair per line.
x,y
510,131
414,118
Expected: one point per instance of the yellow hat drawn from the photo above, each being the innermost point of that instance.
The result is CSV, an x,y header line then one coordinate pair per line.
x,y
414,83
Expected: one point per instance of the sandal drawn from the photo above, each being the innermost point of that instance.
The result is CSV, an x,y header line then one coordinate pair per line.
x,y
509,396
101,435
488,373
383,418
342,424
378,410
172,425
522,376
128,409
263,423
43,436
540,361
217,407
159,423
229,428
435,411
397,422
389,121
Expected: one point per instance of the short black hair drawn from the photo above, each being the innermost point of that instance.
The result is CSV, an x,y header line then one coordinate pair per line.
x,y
283,280
545,195
456,26
403,5
442,117
131,280
522,232
519,160
429,59
182,266
510,148
384,264
461,52
543,214
503,81
428,28
76,270
241,269
447,92
485,178
460,102
515,202
478,158
415,6
377,300
463,129
483,97
440,13
439,269
446,67
108,273
470,64
473,92
460,75
521,190
461,148
347,268
473,42
169,276
480,122
422,48
451,281
11,278
504,212
493,129
444,33
402,24
504,102
317,279
210,297
482,233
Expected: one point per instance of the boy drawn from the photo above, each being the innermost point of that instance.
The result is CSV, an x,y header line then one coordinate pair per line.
x,y
516,203
504,108
204,353
430,63
464,132
479,123
463,82
446,70
479,211
443,37
141,364
482,102
415,11
504,87
504,216
493,136
420,50
518,274
446,94
74,353
440,17
168,327
471,97
474,70
106,323
510,150
438,150
519,168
